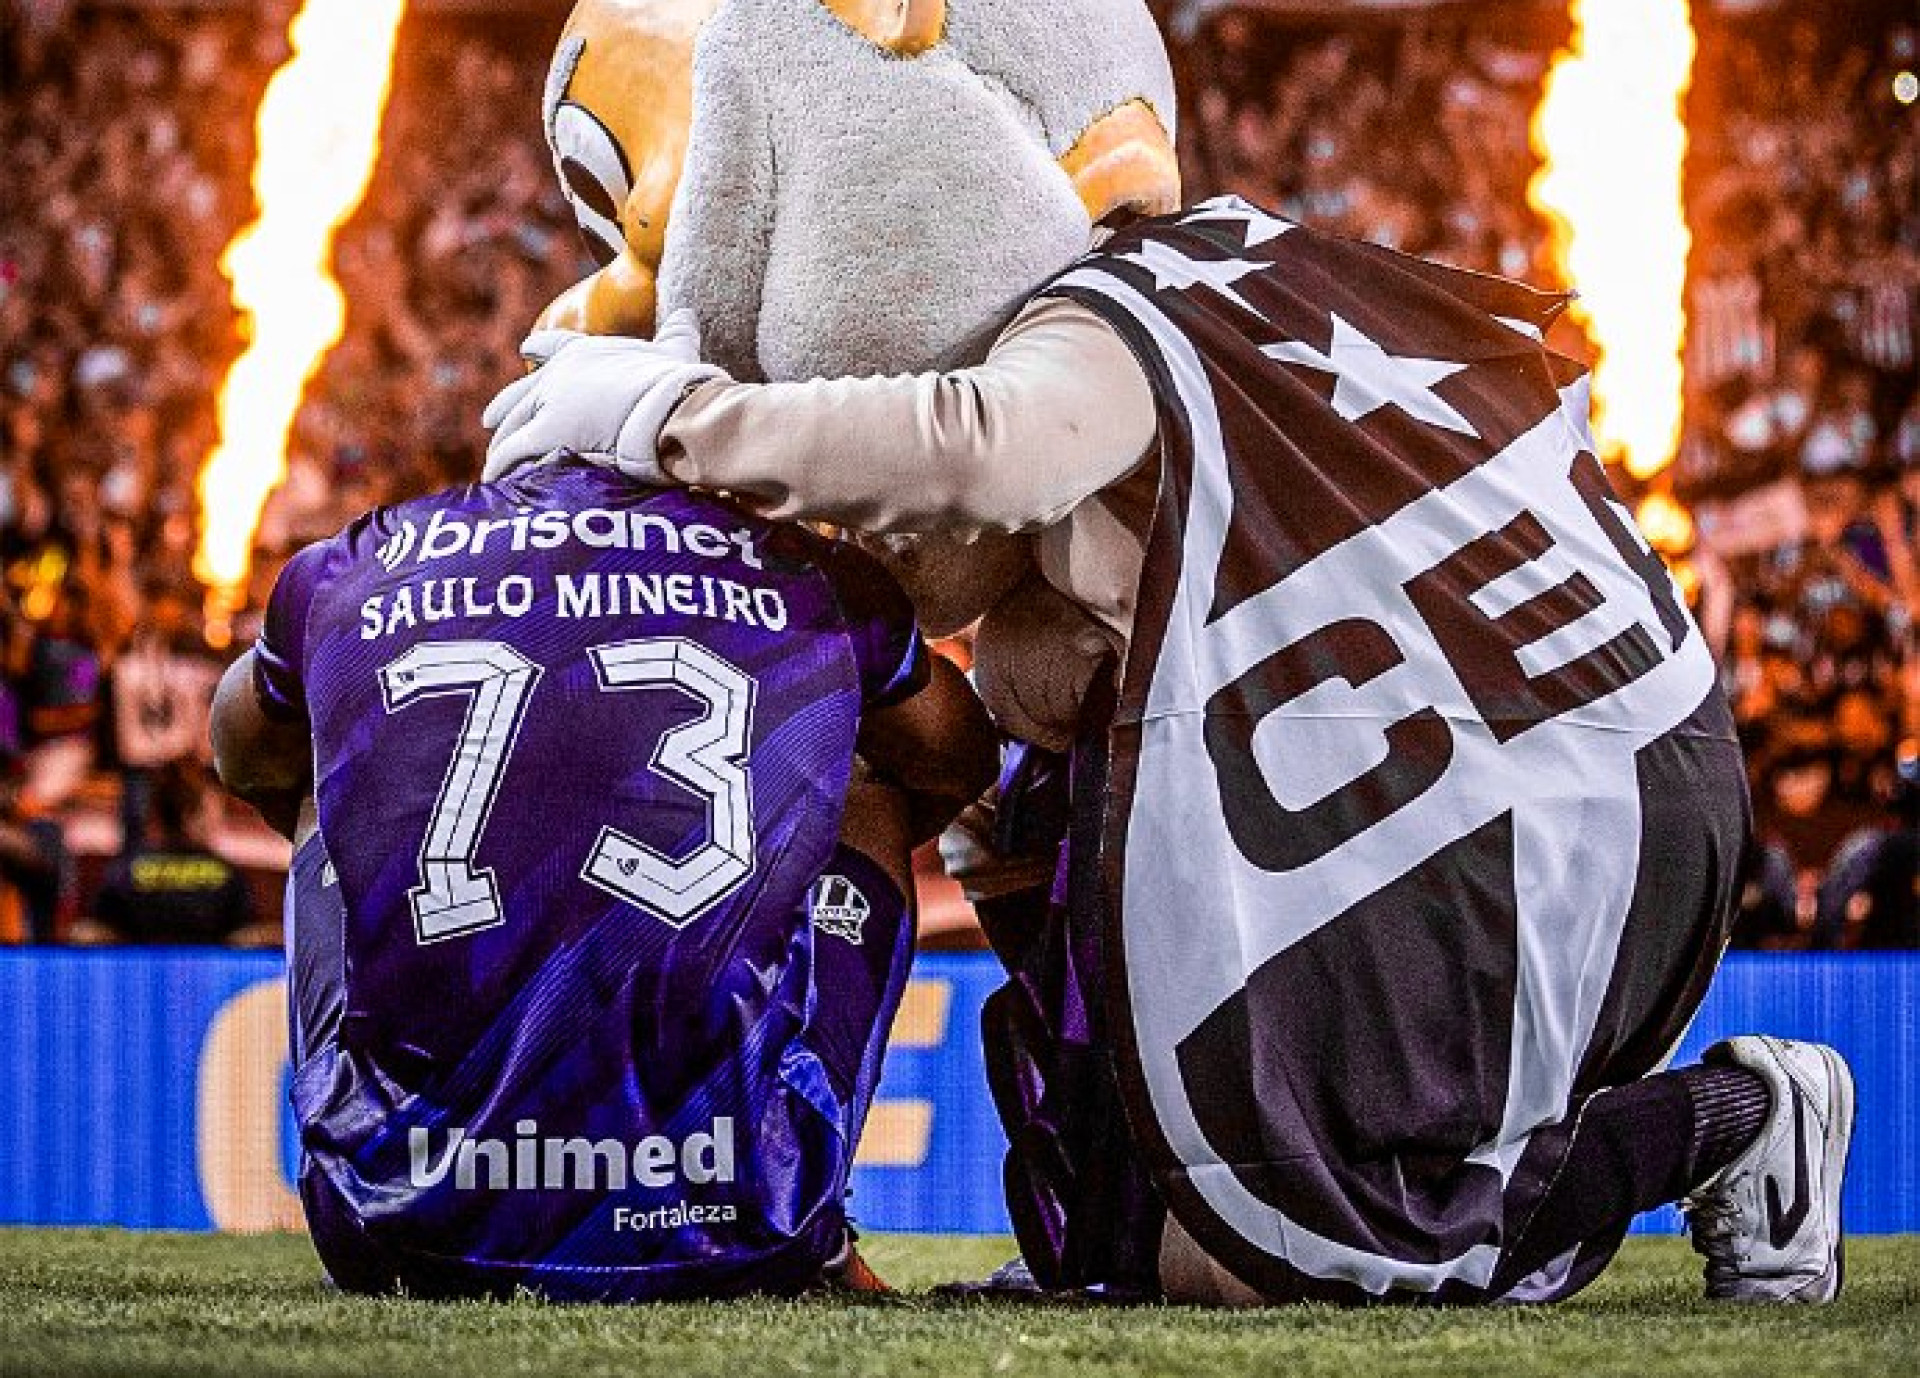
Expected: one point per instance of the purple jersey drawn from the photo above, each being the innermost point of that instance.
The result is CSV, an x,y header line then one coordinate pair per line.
x,y
580,750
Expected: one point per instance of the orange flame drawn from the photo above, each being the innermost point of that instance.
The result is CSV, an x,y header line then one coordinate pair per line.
x,y
1667,525
1611,140
319,135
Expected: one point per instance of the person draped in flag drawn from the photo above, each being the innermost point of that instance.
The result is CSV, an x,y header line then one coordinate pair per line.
x,y
596,931
1392,816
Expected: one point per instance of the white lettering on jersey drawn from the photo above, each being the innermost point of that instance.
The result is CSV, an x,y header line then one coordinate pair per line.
x,y
596,528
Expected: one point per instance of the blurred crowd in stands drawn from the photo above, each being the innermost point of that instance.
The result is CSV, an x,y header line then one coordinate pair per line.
x,y
127,139
1410,133
1801,454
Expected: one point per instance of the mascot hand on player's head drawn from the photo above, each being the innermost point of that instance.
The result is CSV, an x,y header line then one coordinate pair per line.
x,y
844,187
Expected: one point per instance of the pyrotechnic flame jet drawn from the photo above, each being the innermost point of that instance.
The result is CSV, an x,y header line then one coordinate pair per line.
x,y
319,136
1612,141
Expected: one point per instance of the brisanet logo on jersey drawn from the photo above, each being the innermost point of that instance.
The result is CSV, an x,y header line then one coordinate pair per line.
x,y
533,1162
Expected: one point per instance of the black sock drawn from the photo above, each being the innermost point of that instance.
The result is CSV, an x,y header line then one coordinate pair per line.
x,y
1730,1106
1630,1150
1638,1146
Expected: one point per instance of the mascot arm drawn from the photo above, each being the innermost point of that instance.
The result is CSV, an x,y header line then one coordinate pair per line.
x,y
1059,410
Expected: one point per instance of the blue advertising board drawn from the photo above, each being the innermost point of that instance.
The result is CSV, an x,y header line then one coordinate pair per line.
x,y
148,1089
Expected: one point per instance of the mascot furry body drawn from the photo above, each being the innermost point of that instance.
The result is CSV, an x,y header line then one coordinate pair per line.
x,y
1405,815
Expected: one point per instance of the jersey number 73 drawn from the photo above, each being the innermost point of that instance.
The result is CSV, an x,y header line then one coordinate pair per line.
x,y
707,756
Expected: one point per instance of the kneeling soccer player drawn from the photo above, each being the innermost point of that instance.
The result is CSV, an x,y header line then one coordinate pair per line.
x,y
597,927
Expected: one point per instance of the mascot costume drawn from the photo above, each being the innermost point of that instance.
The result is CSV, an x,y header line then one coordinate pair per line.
x,y
1390,817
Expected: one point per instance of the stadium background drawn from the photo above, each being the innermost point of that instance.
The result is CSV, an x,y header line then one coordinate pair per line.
x,y
145,1083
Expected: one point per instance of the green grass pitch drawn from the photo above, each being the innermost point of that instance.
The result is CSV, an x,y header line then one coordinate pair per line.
x,y
105,1302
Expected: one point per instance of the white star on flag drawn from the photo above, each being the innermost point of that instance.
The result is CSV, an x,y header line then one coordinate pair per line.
x,y
1261,227
1173,270
1371,378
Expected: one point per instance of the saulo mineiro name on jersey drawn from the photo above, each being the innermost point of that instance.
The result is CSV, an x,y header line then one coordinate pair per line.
x,y
440,594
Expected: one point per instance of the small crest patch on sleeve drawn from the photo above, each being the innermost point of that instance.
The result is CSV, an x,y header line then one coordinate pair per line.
x,y
838,908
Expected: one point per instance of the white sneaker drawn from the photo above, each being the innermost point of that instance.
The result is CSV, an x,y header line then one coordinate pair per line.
x,y
1769,1222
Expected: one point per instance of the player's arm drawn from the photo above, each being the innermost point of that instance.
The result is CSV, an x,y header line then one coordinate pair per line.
x,y
936,746
262,740
263,760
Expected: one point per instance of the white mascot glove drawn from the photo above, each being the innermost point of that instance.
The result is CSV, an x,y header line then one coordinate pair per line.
x,y
604,397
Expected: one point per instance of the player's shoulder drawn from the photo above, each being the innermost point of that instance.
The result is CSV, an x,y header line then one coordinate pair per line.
x,y
862,584
792,549
393,532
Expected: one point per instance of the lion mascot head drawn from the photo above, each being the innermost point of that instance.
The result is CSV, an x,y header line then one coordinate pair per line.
x,y
849,187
